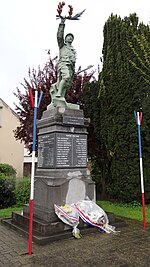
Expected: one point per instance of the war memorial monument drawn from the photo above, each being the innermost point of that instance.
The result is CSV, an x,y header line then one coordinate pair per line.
x,y
62,175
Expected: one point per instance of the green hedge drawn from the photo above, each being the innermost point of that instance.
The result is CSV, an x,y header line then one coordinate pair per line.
x,y
7,191
22,191
13,191
7,170
7,185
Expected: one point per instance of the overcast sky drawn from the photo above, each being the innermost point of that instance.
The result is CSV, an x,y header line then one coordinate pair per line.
x,y
28,28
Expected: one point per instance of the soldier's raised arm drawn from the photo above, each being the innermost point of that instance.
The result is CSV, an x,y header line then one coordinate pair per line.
x,y
60,33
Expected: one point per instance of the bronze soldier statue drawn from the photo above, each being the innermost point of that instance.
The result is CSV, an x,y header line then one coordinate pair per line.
x,y
67,57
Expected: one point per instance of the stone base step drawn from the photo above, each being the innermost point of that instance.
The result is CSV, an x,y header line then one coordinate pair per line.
x,y
44,233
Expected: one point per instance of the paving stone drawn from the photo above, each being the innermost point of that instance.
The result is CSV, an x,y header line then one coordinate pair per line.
x,y
129,248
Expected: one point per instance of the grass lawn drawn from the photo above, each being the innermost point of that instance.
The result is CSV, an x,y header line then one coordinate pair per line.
x,y
7,212
124,210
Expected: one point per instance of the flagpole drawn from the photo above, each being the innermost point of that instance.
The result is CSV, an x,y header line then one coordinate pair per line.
x,y
138,118
31,203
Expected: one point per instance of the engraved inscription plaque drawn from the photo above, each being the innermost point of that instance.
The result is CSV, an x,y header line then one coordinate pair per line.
x,y
79,150
71,150
73,120
62,150
46,144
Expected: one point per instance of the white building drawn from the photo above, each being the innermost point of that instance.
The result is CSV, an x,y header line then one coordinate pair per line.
x,y
11,150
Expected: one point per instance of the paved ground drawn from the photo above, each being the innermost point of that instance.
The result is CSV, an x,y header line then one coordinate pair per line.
x,y
130,247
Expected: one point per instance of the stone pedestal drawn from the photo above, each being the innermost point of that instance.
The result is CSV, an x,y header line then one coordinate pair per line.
x,y
62,175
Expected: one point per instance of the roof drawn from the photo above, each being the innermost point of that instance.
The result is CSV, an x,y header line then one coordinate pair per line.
x,y
7,106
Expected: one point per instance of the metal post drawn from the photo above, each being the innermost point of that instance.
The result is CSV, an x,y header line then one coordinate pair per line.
x,y
32,176
138,118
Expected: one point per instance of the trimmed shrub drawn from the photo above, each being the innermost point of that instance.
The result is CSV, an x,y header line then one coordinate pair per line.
x,y
7,170
22,191
7,191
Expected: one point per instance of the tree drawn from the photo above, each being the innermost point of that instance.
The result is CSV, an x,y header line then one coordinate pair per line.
x,y
96,148
42,80
121,92
140,47
39,80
